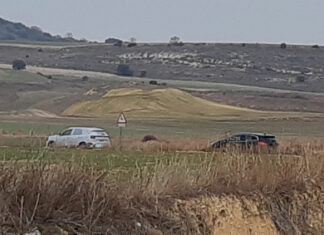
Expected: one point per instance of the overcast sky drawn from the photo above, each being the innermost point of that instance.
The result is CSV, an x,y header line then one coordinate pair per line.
x,y
272,21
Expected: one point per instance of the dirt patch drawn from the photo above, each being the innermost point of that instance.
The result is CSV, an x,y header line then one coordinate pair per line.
x,y
222,215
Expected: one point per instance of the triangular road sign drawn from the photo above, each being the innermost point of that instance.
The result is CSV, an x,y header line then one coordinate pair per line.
x,y
121,119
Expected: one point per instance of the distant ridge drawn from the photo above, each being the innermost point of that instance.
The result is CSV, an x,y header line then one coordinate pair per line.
x,y
20,32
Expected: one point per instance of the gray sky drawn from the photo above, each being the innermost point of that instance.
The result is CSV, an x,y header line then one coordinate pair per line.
x,y
273,21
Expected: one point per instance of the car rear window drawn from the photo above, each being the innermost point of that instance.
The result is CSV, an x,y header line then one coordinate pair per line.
x,y
99,132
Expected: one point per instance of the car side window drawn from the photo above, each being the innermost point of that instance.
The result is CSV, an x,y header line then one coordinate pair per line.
x,y
242,138
235,138
67,132
77,132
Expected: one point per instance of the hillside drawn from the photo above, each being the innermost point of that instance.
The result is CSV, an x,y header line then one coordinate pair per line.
x,y
164,104
19,32
298,68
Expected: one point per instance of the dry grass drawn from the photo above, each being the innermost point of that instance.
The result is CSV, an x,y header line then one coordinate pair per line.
x,y
58,198
168,103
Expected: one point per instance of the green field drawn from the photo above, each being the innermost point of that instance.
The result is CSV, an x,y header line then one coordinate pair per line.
x,y
289,128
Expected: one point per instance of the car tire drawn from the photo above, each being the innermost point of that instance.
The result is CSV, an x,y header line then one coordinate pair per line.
x,y
83,145
51,144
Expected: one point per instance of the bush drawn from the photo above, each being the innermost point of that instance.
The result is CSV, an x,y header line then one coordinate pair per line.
x,y
153,82
124,70
132,44
315,46
283,45
175,41
85,78
300,79
149,138
143,74
18,65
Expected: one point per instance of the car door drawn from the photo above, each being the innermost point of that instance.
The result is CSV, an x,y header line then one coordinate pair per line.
x,y
77,137
65,138
234,140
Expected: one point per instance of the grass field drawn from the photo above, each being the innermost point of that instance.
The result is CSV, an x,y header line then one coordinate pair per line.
x,y
174,128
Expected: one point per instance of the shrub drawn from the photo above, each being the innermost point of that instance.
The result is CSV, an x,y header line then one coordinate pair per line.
x,y
149,138
18,65
300,79
283,45
143,74
85,78
153,82
132,44
124,70
175,41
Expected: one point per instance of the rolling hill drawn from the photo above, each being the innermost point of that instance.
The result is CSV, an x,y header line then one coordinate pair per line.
x,y
19,32
165,104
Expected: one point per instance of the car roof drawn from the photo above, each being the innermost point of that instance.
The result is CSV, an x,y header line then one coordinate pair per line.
x,y
86,128
251,133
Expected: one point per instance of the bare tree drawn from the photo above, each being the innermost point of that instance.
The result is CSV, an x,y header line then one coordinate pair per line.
x,y
174,40
69,35
36,28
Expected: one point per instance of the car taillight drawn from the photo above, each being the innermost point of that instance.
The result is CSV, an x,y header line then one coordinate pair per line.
x,y
261,143
92,137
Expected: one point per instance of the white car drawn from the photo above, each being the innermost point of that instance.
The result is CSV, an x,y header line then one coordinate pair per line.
x,y
86,137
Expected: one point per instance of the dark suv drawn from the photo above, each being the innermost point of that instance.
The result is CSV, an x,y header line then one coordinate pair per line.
x,y
247,139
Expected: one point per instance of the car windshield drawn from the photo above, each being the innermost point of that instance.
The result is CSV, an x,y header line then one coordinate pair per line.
x,y
67,132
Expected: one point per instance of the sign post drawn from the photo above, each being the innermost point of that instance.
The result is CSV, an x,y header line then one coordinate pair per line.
x,y
121,123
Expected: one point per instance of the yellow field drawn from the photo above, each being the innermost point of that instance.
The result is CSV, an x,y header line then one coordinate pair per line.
x,y
166,104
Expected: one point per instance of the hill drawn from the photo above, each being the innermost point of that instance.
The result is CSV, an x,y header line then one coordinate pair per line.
x,y
20,32
297,68
164,104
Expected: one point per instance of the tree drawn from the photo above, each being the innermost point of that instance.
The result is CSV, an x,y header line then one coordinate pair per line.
x,y
114,41
283,45
153,82
69,35
36,28
174,40
18,65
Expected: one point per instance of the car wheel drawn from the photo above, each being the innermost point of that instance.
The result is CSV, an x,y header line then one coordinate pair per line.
x,y
82,145
50,144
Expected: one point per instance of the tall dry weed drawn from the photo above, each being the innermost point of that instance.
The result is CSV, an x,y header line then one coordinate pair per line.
x,y
83,201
